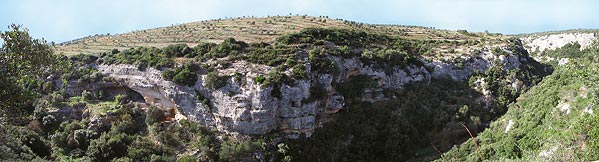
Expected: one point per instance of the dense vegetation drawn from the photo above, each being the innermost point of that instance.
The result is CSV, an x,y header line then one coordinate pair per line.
x,y
554,121
22,61
141,56
400,129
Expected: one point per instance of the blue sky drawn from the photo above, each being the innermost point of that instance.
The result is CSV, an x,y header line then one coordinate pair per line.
x,y
62,20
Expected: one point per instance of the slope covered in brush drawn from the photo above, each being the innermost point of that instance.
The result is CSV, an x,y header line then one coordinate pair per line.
x,y
554,121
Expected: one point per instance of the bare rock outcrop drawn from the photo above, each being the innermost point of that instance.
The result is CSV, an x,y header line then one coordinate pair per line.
x,y
552,41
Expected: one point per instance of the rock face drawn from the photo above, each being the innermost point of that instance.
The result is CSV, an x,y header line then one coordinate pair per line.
x,y
539,43
155,90
553,41
246,107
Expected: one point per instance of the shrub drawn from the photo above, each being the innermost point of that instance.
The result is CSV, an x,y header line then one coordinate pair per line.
x,y
154,115
83,58
50,123
228,47
150,56
232,151
187,158
163,158
339,36
214,81
38,145
108,147
276,77
176,50
271,56
260,79
169,74
299,72
123,159
185,77
143,148
202,48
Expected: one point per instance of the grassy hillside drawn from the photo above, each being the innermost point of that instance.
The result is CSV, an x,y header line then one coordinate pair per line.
x,y
247,29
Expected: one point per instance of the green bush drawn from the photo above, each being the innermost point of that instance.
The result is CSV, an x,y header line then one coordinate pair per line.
x,y
271,56
163,158
233,151
177,50
570,50
145,56
260,79
185,77
339,36
142,148
169,74
108,147
276,77
214,81
299,72
229,47
202,48
320,62
154,115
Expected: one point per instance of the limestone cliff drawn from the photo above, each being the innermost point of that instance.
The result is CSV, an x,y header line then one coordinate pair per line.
x,y
246,107
536,44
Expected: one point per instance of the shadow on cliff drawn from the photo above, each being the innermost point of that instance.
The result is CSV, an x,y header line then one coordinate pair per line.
x,y
417,123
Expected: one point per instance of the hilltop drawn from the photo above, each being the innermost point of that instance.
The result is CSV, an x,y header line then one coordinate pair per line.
x,y
251,30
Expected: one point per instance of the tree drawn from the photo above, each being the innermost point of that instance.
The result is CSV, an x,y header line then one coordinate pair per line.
x,y
109,146
153,115
22,60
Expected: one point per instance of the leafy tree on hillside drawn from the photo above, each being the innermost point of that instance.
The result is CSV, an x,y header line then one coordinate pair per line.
x,y
22,60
